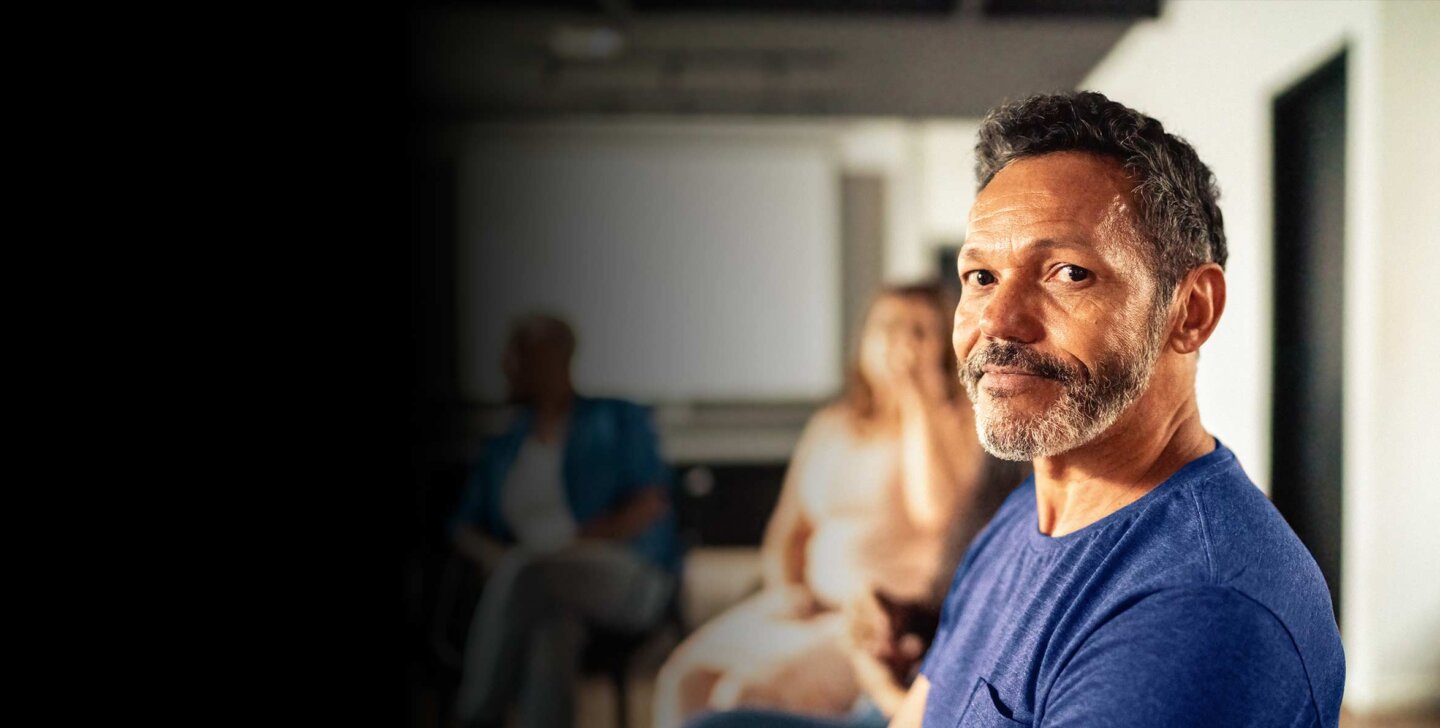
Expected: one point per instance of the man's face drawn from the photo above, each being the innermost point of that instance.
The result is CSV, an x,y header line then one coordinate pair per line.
x,y
518,363
536,366
1058,326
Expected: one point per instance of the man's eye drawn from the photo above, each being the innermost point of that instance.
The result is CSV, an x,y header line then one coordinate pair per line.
x,y
980,277
1074,273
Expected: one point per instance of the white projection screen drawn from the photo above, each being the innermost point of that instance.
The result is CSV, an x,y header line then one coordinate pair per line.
x,y
693,265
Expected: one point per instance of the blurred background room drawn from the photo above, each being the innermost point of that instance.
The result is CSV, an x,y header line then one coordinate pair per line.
x,y
711,193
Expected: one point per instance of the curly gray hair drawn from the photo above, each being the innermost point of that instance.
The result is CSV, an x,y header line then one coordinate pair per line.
x,y
1175,192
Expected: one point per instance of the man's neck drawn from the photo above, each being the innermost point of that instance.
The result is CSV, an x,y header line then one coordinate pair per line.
x,y
552,410
1136,454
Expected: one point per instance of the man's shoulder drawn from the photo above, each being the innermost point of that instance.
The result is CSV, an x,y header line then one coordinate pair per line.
x,y
1214,552
1232,533
607,412
1244,532
612,405
1251,550
1176,647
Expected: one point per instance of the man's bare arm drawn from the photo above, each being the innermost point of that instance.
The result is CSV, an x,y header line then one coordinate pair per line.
x,y
630,518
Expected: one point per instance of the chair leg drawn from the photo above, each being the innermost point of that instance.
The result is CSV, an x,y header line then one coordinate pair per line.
x,y
622,696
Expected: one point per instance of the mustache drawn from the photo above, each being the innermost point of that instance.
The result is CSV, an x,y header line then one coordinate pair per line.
x,y
1015,356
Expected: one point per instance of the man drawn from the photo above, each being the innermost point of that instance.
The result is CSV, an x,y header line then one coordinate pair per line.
x,y
567,515
1138,578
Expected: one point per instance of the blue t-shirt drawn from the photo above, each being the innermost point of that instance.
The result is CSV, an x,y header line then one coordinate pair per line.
x,y
1196,605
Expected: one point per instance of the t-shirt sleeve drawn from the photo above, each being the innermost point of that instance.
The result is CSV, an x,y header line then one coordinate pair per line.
x,y
642,463
1206,656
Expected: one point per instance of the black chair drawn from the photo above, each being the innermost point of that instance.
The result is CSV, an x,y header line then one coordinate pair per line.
x,y
611,652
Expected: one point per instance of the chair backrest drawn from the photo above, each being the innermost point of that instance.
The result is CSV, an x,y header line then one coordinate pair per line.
x,y
726,504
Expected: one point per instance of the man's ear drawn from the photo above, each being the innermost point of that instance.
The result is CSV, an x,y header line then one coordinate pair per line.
x,y
1201,300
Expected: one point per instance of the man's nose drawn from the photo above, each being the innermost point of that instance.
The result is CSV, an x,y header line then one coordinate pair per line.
x,y
1009,313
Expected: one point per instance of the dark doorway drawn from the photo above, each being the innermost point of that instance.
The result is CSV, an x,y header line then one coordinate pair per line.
x,y
1308,416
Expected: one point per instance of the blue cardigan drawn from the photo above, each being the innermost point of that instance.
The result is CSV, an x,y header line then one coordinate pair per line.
x,y
611,452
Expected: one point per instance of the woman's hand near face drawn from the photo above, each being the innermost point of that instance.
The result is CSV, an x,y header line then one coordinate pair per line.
x,y
913,373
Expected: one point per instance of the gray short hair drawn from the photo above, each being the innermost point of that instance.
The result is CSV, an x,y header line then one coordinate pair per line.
x,y
1175,192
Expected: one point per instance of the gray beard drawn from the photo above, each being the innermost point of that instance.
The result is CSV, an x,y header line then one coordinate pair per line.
x,y
1082,414
1087,407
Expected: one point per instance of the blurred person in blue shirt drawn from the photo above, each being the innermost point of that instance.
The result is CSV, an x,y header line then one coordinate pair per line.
x,y
567,514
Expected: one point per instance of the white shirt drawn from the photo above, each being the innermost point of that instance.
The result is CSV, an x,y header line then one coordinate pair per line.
x,y
533,498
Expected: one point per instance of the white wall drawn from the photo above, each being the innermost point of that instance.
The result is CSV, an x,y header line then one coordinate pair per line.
x,y
696,262
946,163
1209,70
1395,340
929,172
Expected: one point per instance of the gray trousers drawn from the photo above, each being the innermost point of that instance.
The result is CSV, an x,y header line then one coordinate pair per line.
x,y
529,628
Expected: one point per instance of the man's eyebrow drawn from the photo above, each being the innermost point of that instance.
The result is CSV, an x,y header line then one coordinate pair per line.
x,y
1039,244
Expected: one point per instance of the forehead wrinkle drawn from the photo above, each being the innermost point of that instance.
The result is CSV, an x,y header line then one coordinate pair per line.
x,y
1071,198
1072,178
1049,206
1043,234
1017,246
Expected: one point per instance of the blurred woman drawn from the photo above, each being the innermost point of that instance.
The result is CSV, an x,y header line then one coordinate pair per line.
x,y
883,493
